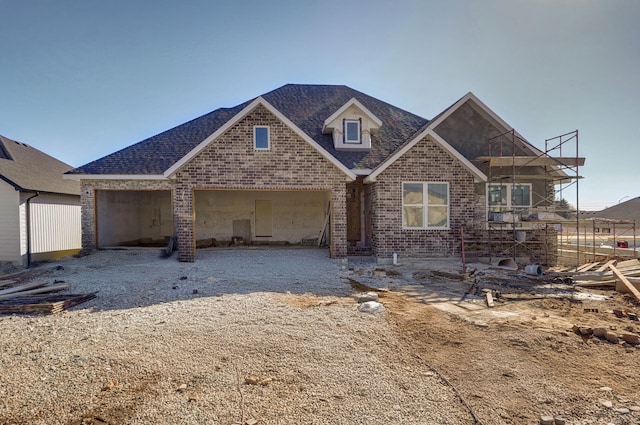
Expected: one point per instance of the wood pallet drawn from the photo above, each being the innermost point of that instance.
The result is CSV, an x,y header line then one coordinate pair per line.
x,y
43,304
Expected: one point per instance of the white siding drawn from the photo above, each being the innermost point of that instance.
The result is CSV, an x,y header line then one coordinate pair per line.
x,y
55,222
9,224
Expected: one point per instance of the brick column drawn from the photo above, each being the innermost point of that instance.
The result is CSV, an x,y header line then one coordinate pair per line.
x,y
183,222
339,221
88,217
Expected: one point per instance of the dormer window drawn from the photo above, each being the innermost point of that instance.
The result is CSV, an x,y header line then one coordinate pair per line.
x,y
352,131
352,127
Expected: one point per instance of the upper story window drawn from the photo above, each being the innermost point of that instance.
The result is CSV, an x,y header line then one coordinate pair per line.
x,y
352,131
261,138
352,127
425,205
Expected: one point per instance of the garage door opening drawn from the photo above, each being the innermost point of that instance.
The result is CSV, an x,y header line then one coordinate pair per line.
x,y
133,218
234,217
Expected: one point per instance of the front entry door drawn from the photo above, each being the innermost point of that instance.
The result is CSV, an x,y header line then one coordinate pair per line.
x,y
354,191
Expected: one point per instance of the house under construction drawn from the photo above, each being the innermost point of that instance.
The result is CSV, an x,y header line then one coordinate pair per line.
x,y
528,219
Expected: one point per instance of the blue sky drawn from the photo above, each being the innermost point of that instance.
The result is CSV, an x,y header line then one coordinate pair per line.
x,y
81,79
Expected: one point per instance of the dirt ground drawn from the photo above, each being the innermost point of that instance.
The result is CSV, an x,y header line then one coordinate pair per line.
x,y
521,359
509,364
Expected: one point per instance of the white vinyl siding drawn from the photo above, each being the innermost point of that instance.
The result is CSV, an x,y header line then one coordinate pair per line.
x,y
55,223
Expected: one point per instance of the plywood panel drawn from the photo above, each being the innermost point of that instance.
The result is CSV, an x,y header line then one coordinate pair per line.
x,y
264,218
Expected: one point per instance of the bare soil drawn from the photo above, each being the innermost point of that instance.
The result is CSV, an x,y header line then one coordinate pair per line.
x,y
438,355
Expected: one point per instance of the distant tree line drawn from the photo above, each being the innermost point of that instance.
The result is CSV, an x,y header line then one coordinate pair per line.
x,y
565,209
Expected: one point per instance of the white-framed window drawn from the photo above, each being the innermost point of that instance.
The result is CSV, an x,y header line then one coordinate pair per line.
x,y
352,131
512,197
261,138
425,205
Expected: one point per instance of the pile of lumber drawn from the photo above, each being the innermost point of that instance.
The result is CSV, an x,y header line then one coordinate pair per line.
x,y
37,298
623,275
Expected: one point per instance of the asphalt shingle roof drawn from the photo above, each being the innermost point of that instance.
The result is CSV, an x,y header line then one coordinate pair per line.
x,y
628,210
307,106
28,169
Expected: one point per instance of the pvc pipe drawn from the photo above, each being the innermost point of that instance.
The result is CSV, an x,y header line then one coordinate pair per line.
x,y
533,269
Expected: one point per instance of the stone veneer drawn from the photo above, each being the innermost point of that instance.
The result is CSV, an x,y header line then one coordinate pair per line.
x,y
425,162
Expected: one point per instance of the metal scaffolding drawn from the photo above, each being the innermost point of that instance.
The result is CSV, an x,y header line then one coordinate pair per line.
x,y
512,169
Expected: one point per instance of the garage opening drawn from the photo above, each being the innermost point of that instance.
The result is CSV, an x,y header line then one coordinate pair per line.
x,y
133,218
239,217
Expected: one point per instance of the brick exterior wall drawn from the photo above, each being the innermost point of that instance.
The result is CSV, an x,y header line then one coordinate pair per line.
x,y
426,162
539,245
231,162
88,202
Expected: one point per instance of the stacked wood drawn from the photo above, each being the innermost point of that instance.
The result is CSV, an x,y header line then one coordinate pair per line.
x,y
37,298
623,275
43,304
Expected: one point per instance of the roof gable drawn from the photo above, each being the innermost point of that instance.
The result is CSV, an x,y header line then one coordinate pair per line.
x,y
628,210
241,114
482,121
305,108
352,102
28,169
427,132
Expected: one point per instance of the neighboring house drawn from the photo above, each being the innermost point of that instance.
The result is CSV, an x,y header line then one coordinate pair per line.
x,y
627,211
39,209
277,168
623,217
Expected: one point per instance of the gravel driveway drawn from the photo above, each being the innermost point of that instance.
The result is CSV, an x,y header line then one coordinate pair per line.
x,y
264,336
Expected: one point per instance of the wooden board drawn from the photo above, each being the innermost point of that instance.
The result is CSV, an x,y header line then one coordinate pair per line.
x,y
490,302
22,287
585,267
42,290
43,304
625,282
605,266
628,264
531,161
323,231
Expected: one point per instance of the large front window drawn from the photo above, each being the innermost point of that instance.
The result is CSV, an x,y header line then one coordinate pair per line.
x,y
425,205
511,197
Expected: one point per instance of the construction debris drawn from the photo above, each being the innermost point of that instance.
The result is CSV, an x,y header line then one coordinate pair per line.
x,y
43,304
623,275
38,298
